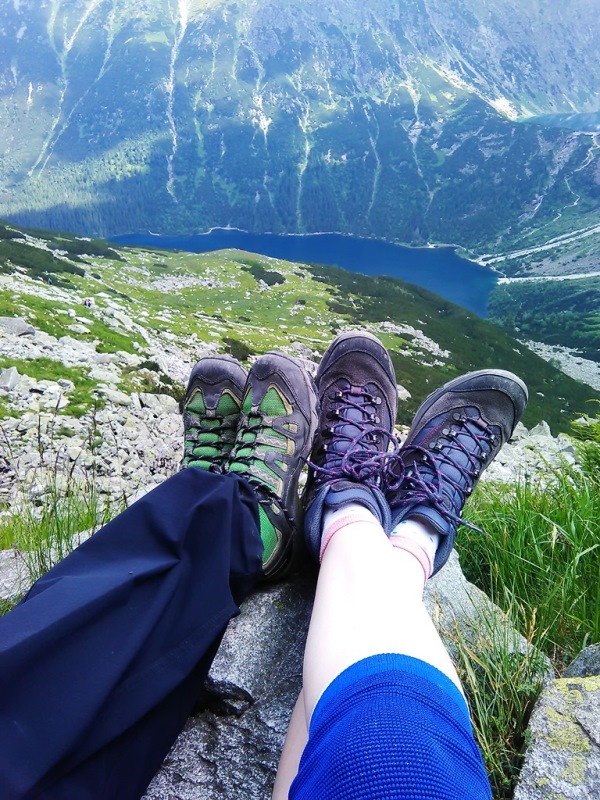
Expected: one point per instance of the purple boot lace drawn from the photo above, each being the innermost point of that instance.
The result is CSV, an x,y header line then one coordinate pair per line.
x,y
356,445
443,475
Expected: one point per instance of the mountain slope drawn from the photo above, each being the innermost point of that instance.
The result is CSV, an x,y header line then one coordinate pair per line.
x,y
393,120
166,308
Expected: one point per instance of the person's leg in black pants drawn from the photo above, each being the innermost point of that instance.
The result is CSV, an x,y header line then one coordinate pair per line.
x,y
103,660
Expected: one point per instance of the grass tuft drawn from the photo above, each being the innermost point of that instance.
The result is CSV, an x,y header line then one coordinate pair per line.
x,y
537,555
44,531
502,683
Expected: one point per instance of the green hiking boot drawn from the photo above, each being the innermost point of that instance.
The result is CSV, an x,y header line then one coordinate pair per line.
x,y
211,412
274,437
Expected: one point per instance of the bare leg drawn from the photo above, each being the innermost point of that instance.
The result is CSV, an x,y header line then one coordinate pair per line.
x,y
369,601
295,742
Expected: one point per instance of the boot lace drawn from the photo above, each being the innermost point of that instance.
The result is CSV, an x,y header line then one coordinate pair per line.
x,y
422,475
221,431
361,456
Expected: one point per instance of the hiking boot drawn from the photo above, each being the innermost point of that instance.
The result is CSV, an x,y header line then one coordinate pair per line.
x,y
211,412
274,437
358,395
456,433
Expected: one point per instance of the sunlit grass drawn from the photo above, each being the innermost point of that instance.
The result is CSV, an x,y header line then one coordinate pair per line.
x,y
537,556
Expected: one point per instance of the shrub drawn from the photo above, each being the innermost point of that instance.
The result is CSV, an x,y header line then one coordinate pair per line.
x,y
238,349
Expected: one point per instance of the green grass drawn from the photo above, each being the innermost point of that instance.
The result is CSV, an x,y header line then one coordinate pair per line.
x,y
502,684
537,556
43,532
81,399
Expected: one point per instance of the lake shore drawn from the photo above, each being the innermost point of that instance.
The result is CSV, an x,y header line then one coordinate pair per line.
x,y
438,268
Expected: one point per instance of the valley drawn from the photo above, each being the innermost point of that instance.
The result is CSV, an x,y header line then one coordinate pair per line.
x,y
164,309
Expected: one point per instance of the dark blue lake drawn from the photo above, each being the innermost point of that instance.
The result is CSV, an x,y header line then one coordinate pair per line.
x,y
438,269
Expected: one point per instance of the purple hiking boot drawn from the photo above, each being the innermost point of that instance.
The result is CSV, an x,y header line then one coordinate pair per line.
x,y
358,395
456,433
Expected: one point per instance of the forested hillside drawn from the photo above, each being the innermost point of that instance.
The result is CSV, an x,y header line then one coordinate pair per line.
x,y
396,120
557,312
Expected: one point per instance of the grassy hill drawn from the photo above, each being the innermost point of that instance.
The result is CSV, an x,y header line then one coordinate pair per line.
x,y
144,300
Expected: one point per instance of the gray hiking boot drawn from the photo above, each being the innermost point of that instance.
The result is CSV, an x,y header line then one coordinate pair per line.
x,y
358,396
274,438
456,433
211,412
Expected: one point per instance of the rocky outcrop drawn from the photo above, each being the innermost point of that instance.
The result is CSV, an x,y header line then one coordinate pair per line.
x,y
19,327
531,455
563,759
587,663
230,748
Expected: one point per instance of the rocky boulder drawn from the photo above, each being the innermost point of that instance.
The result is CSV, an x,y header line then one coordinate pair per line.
x,y
563,759
17,326
586,664
230,748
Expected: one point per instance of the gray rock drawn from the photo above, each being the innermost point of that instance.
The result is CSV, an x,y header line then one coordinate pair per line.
x,y
562,761
541,429
520,432
114,396
127,359
586,664
19,327
403,394
302,350
566,445
9,378
159,403
230,748
105,358
75,453
28,422
104,374
52,402
11,574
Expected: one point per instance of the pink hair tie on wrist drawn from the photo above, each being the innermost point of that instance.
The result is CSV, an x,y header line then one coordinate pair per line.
x,y
341,522
415,549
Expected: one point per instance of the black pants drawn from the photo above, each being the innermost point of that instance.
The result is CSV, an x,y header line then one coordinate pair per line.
x,y
101,663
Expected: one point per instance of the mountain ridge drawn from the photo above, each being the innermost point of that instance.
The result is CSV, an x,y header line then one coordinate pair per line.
x,y
389,121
